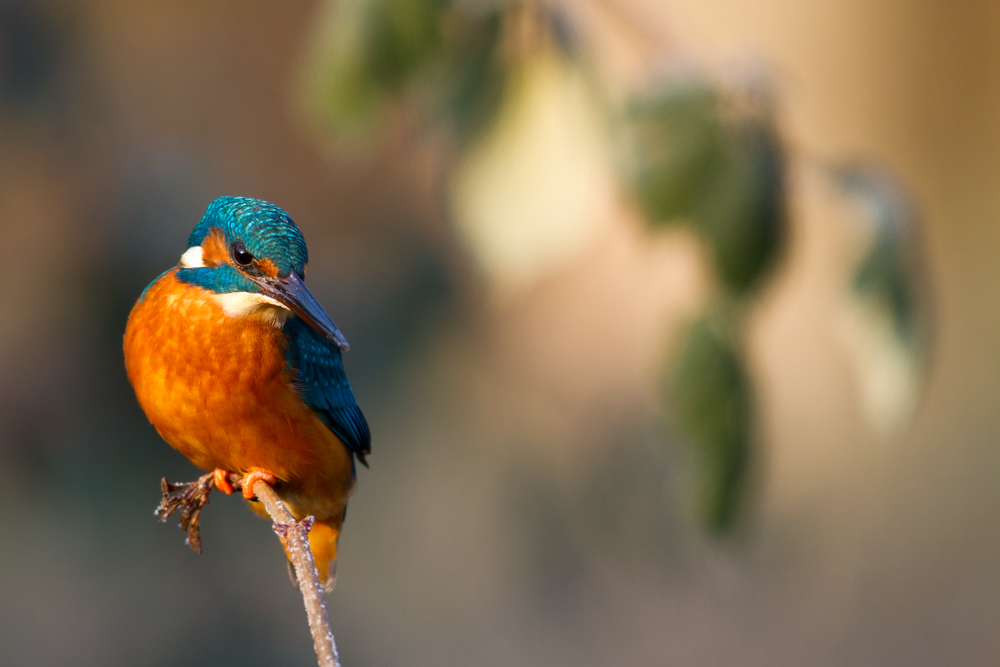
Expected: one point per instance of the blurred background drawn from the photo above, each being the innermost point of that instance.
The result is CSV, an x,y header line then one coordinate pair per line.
x,y
673,321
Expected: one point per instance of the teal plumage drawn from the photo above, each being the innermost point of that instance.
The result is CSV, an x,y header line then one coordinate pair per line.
x,y
323,385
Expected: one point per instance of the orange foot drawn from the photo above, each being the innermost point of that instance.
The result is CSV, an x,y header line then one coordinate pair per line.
x,y
251,478
221,478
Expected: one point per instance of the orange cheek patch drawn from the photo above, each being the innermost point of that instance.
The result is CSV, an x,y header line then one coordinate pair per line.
x,y
267,267
213,249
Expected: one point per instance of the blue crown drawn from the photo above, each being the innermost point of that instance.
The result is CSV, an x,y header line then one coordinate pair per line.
x,y
265,229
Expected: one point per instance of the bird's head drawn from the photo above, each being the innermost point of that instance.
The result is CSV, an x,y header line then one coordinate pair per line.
x,y
251,255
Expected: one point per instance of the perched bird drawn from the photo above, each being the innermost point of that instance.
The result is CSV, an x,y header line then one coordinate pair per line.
x,y
239,368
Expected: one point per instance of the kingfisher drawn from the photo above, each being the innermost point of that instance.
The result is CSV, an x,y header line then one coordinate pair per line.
x,y
239,368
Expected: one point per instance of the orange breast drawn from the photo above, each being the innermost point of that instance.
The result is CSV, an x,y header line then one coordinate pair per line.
x,y
218,389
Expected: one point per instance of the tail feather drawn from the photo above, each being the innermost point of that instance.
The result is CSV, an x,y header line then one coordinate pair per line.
x,y
323,544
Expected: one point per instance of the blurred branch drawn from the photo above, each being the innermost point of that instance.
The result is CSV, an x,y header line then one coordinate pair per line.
x,y
644,34
190,497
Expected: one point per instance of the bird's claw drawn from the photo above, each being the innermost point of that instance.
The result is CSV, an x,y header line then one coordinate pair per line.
x,y
189,498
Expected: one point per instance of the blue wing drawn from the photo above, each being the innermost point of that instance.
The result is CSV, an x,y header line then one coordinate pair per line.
x,y
323,385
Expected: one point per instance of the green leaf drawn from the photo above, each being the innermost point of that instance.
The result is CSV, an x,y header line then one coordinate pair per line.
x,y
367,52
677,150
401,37
744,216
700,158
712,405
473,76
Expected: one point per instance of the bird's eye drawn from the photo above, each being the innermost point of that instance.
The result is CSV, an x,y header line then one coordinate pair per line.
x,y
241,255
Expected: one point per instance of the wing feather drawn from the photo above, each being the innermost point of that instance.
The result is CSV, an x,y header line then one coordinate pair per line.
x,y
323,385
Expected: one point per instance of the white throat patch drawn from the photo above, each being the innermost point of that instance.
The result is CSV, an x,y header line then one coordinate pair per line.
x,y
249,304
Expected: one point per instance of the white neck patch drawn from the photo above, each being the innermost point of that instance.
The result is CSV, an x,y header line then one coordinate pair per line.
x,y
192,259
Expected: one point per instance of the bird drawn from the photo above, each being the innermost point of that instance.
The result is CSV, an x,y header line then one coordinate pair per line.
x,y
239,368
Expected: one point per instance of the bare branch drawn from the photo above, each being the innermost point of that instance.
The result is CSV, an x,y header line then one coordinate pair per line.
x,y
296,536
190,497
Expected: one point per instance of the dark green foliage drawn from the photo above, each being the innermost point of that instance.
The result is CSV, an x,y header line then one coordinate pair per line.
x,y
448,52
400,36
678,150
379,47
473,74
700,158
711,402
743,217
693,162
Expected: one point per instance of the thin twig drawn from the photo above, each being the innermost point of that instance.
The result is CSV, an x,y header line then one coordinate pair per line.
x,y
190,497
651,42
296,536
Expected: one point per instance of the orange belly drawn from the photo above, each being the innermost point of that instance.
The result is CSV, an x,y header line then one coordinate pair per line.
x,y
218,390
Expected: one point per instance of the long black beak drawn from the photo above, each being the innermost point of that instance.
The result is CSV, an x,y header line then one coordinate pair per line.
x,y
294,295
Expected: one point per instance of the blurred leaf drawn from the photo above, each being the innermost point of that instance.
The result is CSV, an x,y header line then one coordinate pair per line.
x,y
744,214
340,91
888,274
473,74
882,277
678,148
886,323
711,401
375,51
722,170
368,51
401,36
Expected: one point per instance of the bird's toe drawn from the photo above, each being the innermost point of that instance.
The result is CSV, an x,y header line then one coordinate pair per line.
x,y
221,479
252,478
